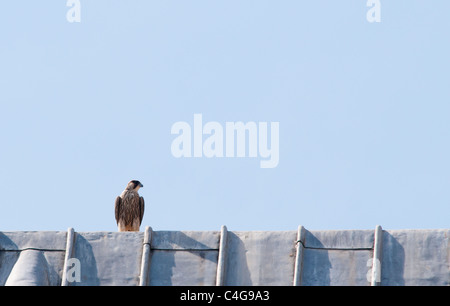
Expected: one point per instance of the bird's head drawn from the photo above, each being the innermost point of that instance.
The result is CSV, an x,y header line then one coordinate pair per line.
x,y
134,185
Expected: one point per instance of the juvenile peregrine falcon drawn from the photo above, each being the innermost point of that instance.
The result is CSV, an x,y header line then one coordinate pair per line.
x,y
129,208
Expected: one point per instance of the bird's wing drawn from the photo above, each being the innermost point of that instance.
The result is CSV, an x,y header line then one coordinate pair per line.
x,y
141,209
117,208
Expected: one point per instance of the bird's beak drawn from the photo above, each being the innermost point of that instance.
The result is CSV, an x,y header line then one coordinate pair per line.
x,y
141,185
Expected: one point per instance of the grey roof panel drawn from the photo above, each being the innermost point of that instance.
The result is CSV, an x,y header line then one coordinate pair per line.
x,y
108,258
416,258
406,257
260,258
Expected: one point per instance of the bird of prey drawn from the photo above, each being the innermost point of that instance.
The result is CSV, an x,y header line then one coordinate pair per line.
x,y
129,208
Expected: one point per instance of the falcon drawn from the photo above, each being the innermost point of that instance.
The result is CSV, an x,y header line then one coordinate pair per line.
x,y
129,208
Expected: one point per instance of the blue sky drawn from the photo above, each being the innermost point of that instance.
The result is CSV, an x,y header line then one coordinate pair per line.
x,y
363,110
